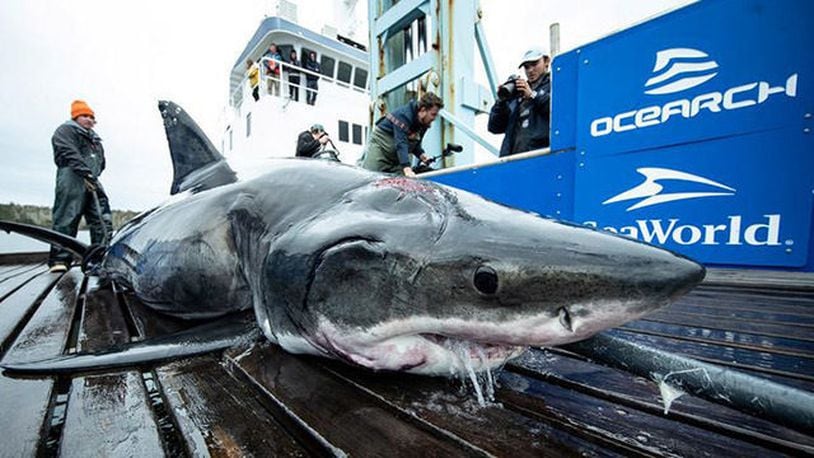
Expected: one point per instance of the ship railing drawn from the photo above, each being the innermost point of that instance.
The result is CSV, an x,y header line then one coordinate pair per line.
x,y
243,91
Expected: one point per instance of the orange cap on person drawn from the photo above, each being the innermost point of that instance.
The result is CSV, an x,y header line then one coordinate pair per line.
x,y
79,108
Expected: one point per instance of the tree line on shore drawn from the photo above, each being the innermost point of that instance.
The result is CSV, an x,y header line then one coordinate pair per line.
x,y
41,216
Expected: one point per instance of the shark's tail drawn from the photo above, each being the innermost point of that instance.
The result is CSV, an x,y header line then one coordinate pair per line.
x,y
89,254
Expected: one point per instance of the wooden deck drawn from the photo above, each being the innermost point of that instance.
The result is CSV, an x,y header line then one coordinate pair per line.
x,y
258,400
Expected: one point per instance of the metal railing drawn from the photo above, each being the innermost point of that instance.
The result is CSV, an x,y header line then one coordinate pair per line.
x,y
243,90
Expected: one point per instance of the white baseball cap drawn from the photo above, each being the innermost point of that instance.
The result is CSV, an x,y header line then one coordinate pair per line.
x,y
533,55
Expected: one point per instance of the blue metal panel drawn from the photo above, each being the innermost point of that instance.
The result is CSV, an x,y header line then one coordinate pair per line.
x,y
736,202
564,77
743,58
543,184
693,131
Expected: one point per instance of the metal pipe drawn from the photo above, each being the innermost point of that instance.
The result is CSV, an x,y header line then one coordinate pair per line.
x,y
781,404
554,39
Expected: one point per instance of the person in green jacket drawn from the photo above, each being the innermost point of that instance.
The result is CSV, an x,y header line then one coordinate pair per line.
x,y
80,159
398,135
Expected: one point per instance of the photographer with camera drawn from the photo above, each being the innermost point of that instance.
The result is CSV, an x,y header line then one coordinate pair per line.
x,y
522,110
310,141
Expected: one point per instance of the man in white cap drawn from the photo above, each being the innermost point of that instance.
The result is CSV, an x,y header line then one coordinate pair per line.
x,y
523,110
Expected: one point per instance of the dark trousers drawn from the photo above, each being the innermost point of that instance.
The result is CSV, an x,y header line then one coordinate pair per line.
x,y
294,87
256,93
311,92
72,201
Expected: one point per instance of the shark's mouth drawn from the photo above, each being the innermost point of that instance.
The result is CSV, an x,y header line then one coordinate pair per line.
x,y
475,351
421,353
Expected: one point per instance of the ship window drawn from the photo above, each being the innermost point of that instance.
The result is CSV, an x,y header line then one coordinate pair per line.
x,y
285,51
360,78
343,131
343,74
305,53
357,134
248,124
327,64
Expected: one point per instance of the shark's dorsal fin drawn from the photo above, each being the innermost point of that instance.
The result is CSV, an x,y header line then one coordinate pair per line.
x,y
196,163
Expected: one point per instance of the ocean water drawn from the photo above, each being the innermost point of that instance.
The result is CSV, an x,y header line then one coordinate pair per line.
x,y
16,243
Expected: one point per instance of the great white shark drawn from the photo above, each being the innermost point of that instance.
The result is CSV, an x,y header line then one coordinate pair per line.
x,y
384,272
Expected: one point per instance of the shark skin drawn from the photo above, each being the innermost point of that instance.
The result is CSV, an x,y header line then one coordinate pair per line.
x,y
384,272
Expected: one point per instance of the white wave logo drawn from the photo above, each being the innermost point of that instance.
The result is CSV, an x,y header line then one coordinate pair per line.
x,y
651,191
672,63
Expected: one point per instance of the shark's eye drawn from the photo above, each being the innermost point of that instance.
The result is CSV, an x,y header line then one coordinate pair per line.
x,y
486,280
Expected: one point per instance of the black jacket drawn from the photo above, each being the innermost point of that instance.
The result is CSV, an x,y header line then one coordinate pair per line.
x,y
503,118
306,145
79,149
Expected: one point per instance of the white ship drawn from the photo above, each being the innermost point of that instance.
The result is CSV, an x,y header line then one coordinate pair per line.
x,y
258,130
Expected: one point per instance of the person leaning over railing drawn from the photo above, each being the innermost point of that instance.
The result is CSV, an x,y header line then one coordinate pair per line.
x,y
399,134
271,62
294,76
254,78
311,79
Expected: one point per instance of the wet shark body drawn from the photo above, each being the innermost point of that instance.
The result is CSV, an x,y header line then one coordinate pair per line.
x,y
383,272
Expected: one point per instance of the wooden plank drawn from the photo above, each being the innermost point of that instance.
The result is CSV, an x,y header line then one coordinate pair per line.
x,y
749,341
107,415
751,302
792,367
733,314
760,278
15,282
301,395
9,270
631,391
21,270
767,329
643,433
765,296
17,307
25,401
441,404
220,416
39,257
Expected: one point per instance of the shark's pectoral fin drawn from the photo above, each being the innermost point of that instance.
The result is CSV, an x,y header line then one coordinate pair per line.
x,y
210,337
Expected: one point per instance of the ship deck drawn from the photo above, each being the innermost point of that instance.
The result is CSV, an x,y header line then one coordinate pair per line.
x,y
255,399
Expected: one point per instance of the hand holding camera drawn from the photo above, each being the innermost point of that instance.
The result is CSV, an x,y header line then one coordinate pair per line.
x,y
514,87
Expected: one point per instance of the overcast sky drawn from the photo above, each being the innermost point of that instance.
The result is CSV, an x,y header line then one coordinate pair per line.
x,y
122,57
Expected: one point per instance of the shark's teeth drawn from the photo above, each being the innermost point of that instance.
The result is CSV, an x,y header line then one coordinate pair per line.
x,y
476,350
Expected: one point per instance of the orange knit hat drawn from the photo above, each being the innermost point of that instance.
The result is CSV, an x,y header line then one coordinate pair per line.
x,y
79,108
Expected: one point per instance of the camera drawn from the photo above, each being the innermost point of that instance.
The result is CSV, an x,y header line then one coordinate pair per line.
x,y
508,90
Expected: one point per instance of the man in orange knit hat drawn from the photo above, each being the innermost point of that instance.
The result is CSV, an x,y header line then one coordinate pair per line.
x,y
80,159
